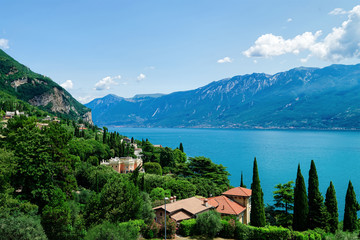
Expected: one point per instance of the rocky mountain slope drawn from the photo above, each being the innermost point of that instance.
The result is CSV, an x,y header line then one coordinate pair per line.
x,y
301,98
38,90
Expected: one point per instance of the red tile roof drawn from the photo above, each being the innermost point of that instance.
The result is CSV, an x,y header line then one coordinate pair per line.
x,y
225,205
238,191
192,205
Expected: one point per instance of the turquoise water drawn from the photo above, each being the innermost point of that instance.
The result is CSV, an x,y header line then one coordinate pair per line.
x,y
278,152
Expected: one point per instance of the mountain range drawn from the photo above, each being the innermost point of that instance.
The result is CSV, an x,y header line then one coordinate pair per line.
x,y
19,81
301,98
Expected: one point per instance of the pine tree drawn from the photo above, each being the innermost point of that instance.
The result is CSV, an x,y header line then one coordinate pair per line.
x,y
351,208
242,181
301,207
181,147
257,214
317,211
332,208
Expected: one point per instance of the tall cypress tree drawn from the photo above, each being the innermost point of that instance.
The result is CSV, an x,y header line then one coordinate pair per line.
x,y
332,208
351,208
242,181
181,148
301,207
317,211
257,214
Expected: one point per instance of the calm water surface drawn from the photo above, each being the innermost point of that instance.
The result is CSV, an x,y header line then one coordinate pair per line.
x,y
278,152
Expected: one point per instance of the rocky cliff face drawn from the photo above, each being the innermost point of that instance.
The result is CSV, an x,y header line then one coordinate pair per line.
x,y
39,90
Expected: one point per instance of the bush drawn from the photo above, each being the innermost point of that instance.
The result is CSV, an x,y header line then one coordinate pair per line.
x,y
151,230
21,227
187,227
208,223
170,228
244,232
307,235
108,230
227,228
153,168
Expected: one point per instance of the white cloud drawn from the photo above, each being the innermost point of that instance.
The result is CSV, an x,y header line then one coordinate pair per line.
x,y
106,83
342,42
141,77
225,60
68,84
270,45
4,43
289,20
338,11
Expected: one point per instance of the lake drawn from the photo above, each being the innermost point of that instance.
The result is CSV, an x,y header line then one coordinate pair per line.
x,y
278,153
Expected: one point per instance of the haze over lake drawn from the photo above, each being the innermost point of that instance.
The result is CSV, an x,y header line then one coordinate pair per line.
x,y
278,152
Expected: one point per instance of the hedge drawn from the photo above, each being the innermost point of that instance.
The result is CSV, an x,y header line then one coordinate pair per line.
x,y
187,227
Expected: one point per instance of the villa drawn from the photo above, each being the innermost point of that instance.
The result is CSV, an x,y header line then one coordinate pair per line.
x,y
123,164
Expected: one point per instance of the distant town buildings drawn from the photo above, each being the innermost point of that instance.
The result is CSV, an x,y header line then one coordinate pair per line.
x,y
123,164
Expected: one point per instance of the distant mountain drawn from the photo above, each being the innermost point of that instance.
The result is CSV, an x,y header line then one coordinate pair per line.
x,y
38,90
301,98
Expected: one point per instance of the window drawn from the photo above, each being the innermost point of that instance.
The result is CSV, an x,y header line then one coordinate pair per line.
x,y
161,214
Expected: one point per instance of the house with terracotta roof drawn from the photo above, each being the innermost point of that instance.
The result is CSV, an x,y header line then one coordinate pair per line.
x,y
182,209
235,201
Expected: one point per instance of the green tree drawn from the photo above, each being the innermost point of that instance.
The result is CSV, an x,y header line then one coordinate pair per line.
x,y
121,200
153,168
181,148
351,208
284,200
112,231
332,208
208,223
317,211
21,227
301,207
159,193
257,214
242,181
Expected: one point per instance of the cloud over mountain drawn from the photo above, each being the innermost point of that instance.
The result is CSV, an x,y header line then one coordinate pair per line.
x,y
341,43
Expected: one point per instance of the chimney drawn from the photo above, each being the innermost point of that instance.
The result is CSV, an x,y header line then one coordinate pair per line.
x,y
171,199
174,198
206,202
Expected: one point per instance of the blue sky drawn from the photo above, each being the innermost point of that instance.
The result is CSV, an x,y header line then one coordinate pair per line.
x,y
94,48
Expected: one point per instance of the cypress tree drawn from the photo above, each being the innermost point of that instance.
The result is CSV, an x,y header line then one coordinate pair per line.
x,y
181,147
351,208
301,207
332,208
242,181
317,210
257,214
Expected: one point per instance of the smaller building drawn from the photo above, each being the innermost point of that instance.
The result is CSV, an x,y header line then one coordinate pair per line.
x,y
225,206
127,140
242,196
182,209
123,164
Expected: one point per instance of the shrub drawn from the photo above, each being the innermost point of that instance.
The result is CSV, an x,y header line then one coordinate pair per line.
x,y
153,168
208,223
21,228
150,230
307,235
170,228
187,227
227,228
108,230
245,232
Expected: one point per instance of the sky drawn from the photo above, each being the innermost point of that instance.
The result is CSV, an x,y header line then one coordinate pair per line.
x,y
126,47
